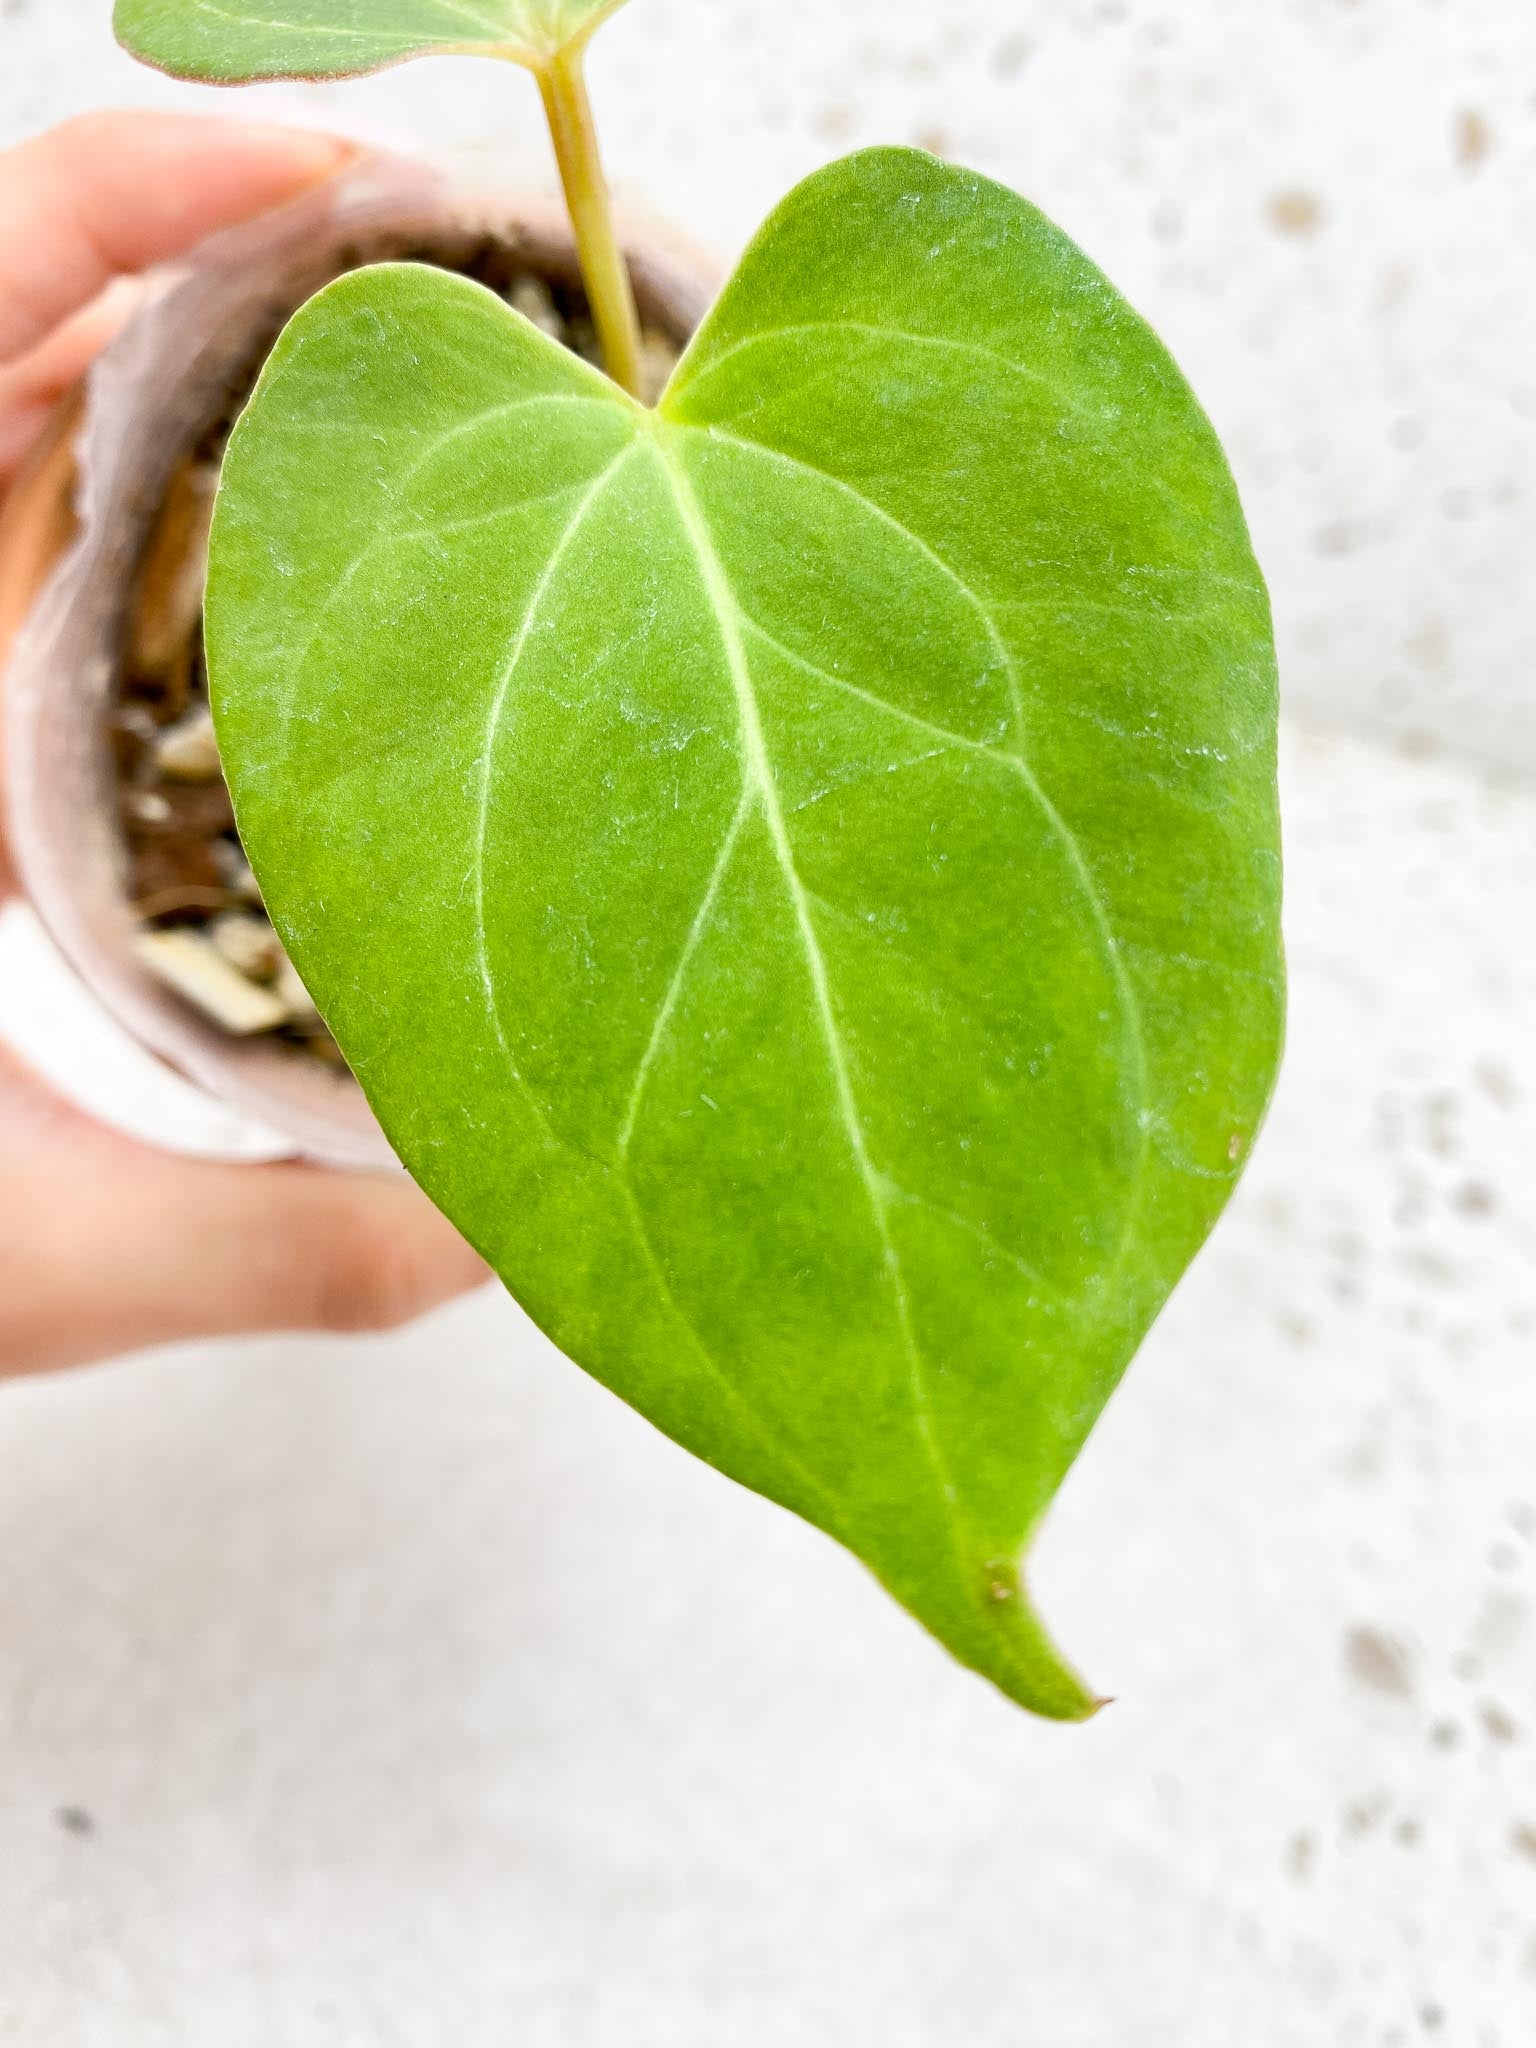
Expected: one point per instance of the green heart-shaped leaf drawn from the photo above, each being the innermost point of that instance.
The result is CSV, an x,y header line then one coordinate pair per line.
x,y
231,41
796,872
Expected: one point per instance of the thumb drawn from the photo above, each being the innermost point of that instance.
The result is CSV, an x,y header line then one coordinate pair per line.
x,y
110,194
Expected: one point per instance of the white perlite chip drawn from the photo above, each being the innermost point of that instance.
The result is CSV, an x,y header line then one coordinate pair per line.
x,y
187,963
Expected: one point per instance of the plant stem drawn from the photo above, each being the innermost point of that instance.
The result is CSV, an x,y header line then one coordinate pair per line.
x,y
586,194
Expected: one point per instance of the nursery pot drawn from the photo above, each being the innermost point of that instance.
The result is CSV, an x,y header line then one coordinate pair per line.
x,y
78,529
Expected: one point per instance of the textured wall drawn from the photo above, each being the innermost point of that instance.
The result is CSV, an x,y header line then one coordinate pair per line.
x,y
406,1693
1326,205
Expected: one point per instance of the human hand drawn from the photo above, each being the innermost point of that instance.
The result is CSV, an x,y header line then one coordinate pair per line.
x,y
105,1244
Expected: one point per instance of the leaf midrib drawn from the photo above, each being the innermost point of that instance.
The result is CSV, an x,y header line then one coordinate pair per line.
x,y
759,768
969,1552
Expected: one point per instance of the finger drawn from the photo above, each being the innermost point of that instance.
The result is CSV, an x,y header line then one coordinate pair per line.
x,y
110,194
179,1249
32,387
298,1248
36,525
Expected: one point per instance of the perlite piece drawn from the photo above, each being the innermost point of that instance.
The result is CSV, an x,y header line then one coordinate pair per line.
x,y
248,943
188,751
187,963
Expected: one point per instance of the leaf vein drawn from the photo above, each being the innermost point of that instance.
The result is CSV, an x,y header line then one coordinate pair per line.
x,y
976,1230
766,1432
404,41
493,721
952,344
696,930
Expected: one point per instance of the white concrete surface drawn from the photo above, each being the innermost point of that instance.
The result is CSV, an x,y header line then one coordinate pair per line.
x,y
411,1692
1325,206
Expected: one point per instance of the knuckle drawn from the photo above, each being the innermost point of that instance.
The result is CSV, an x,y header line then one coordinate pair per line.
x,y
368,1284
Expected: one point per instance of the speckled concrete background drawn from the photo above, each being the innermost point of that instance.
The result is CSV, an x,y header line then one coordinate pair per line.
x,y
412,1692
1325,205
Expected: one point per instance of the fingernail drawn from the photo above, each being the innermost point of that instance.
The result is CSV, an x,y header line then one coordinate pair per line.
x,y
312,154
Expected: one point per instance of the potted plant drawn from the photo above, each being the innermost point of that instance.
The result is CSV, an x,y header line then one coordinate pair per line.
x,y
795,867
120,818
